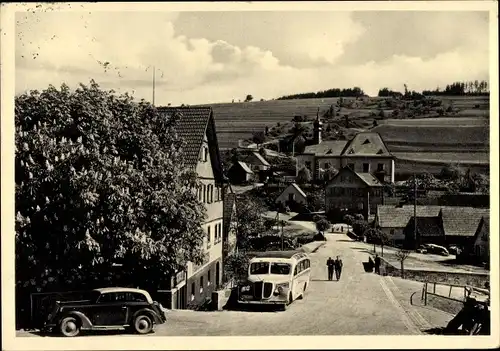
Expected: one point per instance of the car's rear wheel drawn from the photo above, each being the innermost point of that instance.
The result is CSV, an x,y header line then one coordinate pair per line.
x,y
69,326
143,324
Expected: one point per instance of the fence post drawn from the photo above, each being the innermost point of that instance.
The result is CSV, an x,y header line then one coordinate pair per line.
x,y
434,291
449,295
425,302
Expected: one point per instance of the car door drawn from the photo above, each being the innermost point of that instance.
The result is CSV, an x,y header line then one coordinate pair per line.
x,y
111,310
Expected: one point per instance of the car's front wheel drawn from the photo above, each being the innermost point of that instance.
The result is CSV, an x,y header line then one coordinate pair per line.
x,y
143,324
69,326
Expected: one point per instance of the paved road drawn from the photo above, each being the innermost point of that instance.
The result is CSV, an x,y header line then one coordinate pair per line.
x,y
359,304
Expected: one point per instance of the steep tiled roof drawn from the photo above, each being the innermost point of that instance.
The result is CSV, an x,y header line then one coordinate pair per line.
x,y
366,143
326,148
229,201
397,217
193,124
427,226
462,221
191,127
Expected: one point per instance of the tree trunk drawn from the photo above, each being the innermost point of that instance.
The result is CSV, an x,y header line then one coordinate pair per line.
x,y
382,250
374,248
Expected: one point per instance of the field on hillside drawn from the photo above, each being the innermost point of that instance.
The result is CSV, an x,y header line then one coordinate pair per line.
x,y
237,121
420,144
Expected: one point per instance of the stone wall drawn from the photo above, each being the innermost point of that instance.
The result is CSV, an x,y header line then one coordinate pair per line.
x,y
456,278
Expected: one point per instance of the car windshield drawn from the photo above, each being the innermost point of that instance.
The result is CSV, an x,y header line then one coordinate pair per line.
x,y
259,268
280,268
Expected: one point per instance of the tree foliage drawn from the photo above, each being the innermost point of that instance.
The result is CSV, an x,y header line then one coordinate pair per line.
x,y
100,180
322,225
249,216
304,176
258,137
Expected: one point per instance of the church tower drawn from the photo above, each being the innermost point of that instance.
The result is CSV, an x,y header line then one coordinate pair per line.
x,y
318,126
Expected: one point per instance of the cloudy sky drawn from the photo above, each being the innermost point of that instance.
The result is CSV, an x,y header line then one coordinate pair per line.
x,y
208,57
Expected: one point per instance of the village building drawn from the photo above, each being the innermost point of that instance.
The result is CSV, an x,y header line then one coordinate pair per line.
x,y
353,192
440,225
481,248
365,153
193,286
240,173
290,195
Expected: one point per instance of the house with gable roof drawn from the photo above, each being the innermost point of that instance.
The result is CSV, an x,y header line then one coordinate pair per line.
x,y
365,153
193,285
353,192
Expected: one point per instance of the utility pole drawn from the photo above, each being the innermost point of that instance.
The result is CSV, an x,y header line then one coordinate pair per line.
x,y
154,83
415,208
282,244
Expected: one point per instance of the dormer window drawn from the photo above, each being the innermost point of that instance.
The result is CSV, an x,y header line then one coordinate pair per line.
x,y
351,151
366,142
380,152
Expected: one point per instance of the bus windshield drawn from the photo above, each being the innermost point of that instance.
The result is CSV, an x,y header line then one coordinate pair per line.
x,y
270,268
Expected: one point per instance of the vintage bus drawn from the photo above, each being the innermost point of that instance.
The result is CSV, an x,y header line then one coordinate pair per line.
x,y
276,277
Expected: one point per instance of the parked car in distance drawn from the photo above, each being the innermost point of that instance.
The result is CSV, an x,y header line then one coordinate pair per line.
x,y
436,249
106,308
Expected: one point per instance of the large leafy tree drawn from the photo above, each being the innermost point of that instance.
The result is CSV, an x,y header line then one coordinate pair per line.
x,y
100,181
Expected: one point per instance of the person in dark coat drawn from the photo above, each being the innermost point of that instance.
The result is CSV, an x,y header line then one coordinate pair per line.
x,y
338,267
377,264
371,264
330,263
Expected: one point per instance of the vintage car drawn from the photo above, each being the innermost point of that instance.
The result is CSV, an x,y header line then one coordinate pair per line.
x,y
276,277
106,308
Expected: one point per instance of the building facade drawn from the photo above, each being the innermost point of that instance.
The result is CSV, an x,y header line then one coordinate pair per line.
x,y
192,286
353,192
365,153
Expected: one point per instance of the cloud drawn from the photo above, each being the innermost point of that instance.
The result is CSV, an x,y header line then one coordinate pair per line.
x,y
415,33
216,56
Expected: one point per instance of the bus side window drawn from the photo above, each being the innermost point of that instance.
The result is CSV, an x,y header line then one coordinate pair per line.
x,y
296,270
306,263
301,266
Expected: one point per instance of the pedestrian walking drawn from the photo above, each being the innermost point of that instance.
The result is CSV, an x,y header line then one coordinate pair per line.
x,y
330,263
338,267
377,264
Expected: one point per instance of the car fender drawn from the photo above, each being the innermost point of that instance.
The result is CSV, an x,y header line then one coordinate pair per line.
x,y
86,323
149,312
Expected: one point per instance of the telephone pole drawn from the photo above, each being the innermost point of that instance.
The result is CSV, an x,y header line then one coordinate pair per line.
x,y
154,83
415,208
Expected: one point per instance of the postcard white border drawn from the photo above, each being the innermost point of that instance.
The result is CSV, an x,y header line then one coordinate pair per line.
x,y
9,339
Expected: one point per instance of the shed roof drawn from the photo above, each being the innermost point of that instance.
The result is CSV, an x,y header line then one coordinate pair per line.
x,y
462,221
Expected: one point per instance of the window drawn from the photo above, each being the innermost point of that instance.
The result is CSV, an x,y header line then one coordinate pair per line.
x,y
392,232
204,193
308,165
327,165
366,167
211,193
291,197
209,236
259,268
218,193
209,278
351,166
380,167
204,153
192,291
280,268
201,285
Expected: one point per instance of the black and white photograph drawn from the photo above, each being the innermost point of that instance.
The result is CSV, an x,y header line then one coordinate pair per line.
x,y
281,173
